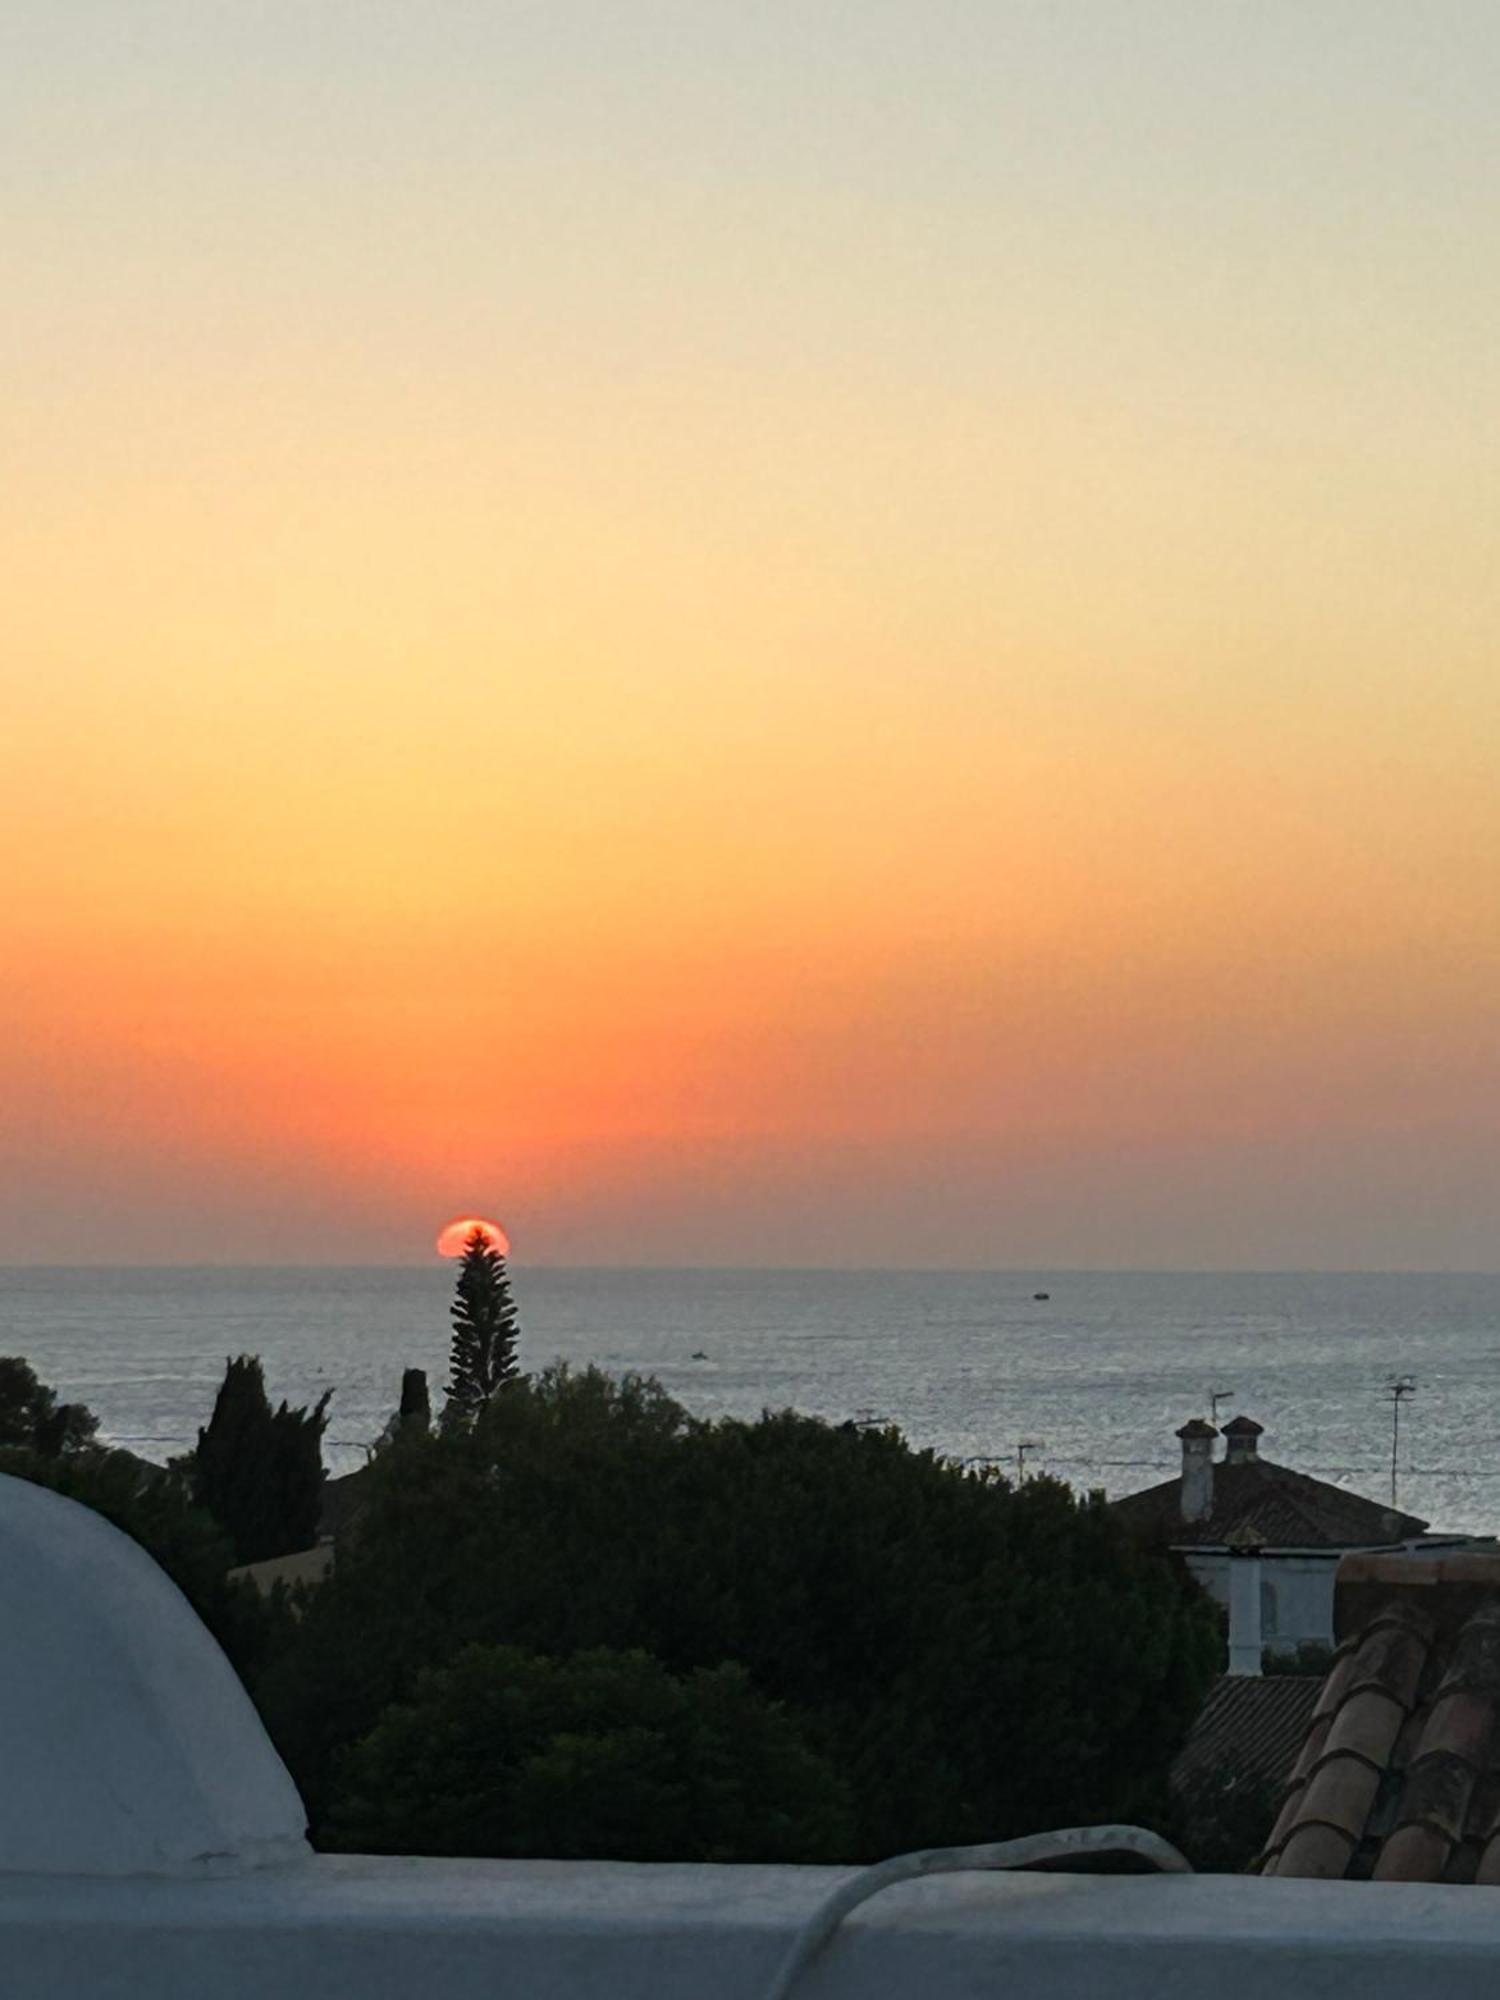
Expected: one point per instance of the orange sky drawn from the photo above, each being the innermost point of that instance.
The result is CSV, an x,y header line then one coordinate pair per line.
x,y
757,643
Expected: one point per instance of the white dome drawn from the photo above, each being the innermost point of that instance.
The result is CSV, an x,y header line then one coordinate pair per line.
x,y
127,1744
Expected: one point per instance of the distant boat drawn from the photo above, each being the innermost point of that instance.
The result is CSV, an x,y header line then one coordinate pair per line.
x,y
1041,1295
699,1355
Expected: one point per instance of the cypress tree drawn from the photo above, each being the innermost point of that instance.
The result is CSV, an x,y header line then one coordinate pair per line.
x,y
482,1356
415,1413
259,1473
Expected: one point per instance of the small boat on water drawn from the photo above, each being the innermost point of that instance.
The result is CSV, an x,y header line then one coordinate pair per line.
x,y
1041,1295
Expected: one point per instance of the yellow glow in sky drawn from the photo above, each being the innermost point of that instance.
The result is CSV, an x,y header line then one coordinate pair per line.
x,y
783,640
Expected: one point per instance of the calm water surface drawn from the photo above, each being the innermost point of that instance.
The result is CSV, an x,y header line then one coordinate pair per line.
x,y
1099,1375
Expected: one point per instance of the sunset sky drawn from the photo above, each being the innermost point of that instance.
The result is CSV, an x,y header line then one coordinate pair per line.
x,y
779,634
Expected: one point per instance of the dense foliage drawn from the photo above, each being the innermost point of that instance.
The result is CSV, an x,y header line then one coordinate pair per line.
x,y
509,1753
32,1419
486,1327
1220,1818
975,1660
259,1472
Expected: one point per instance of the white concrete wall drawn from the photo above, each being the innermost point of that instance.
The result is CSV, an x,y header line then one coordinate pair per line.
x,y
355,1929
127,1745
1303,1595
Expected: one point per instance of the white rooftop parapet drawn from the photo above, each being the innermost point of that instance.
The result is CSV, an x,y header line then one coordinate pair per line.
x,y
127,1744
353,1928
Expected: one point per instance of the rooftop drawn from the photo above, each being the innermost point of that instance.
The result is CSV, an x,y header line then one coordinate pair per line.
x,y
1399,1772
1285,1509
1252,1725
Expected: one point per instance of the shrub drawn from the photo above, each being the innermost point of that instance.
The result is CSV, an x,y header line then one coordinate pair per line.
x,y
977,1660
32,1419
604,1755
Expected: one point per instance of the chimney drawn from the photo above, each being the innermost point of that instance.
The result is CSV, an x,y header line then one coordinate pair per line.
x,y
1197,1469
1240,1434
1244,1547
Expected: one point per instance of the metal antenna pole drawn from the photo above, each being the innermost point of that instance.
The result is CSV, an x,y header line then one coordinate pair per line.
x,y
1400,1388
1216,1397
1025,1445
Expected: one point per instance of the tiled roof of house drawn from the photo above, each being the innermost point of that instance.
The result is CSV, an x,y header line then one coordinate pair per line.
x,y
1251,1725
1399,1773
1285,1509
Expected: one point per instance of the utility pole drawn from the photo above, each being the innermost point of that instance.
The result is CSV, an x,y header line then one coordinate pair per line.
x,y
1025,1445
1400,1388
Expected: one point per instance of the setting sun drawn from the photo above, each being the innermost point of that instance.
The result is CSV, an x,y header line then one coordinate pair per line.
x,y
453,1236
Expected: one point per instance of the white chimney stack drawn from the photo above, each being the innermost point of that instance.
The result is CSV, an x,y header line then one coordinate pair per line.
x,y
1197,1470
1244,1603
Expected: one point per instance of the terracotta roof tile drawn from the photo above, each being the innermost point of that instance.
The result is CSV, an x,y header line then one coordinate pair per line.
x,y
1462,1862
1484,1807
1287,1822
1462,1722
1320,1851
1399,1772
1336,1681
1390,1656
1476,1655
1340,1793
1488,1871
1312,1747
1367,1726
1438,1788
1413,1854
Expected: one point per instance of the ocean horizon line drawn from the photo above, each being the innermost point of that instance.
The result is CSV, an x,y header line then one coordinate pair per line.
x,y
1040,1270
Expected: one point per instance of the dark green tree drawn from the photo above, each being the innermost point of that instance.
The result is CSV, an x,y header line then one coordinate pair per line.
x,y
415,1412
259,1472
605,1755
977,1660
482,1355
32,1419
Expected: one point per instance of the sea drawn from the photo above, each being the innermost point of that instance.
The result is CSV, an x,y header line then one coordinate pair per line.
x,y
1085,1375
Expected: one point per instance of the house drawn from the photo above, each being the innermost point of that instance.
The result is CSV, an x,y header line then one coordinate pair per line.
x,y
1262,1539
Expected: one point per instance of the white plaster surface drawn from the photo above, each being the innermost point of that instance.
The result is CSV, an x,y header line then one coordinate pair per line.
x,y
127,1744
346,1928
1303,1592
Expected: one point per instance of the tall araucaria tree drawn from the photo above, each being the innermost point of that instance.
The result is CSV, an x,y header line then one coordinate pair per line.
x,y
482,1357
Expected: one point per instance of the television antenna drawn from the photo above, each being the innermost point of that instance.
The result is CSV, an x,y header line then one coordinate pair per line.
x,y
1023,1445
1217,1396
1397,1391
